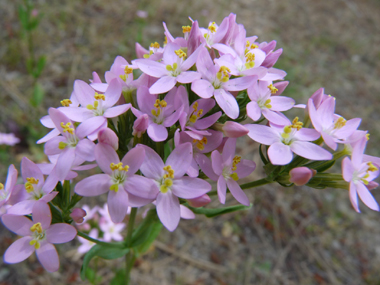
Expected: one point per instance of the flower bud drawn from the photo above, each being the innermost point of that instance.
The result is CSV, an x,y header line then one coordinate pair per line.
x,y
140,125
107,136
200,201
231,129
280,86
301,175
78,215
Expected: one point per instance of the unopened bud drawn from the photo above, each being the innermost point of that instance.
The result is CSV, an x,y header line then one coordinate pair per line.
x,y
231,129
140,125
78,215
108,136
200,201
301,175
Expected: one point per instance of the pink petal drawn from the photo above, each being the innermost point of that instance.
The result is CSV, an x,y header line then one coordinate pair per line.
x,y
107,136
229,151
306,134
52,146
164,84
112,93
347,169
190,188
238,84
217,162
366,196
354,197
105,155
222,189
236,191
280,154
227,103
151,67
314,116
141,186
329,141
188,76
117,205
85,149
186,213
253,110
53,133
22,208
19,250
280,103
89,126
134,159
84,93
245,167
208,121
180,159
168,210
202,88
358,151
326,111
205,165
263,134
310,151
41,214
157,133
48,257
60,233
137,202
153,166
190,61
348,129
94,185
116,111
275,117
64,163
20,225
30,169
204,64
77,114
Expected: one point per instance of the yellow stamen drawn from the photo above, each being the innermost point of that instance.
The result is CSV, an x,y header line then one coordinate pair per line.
x,y
180,53
234,176
235,162
340,123
66,102
36,228
1,186
168,182
119,166
212,27
267,104
164,188
128,70
250,57
155,45
367,136
272,89
371,167
186,29
62,145
296,124
35,243
66,128
147,55
114,187
170,172
123,77
100,96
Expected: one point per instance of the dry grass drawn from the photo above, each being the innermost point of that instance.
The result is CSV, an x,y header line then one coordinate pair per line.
x,y
290,236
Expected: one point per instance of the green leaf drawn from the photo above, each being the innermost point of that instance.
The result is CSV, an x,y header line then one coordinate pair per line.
x,y
152,233
103,252
38,95
209,213
39,67
74,200
56,214
167,150
119,278
264,160
23,16
143,231
321,166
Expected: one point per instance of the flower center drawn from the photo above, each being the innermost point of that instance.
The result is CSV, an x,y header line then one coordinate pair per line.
x,y
127,70
119,175
196,113
290,130
157,112
186,29
29,185
38,235
200,144
340,123
222,76
167,181
272,89
97,107
3,194
66,102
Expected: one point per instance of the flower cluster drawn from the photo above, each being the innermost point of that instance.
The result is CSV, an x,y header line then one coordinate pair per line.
x,y
160,128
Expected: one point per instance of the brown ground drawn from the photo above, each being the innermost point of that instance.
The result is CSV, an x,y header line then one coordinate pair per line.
x,y
290,236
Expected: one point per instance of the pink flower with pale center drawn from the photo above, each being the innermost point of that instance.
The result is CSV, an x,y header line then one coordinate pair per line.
x,y
37,235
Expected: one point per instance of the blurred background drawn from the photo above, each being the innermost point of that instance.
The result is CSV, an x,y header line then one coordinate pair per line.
x,y
290,235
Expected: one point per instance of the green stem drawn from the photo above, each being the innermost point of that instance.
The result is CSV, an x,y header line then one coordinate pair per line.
x,y
117,245
248,185
130,258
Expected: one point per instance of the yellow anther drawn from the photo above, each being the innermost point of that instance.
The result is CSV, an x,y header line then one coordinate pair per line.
x,y
66,128
371,167
234,176
157,103
147,55
200,143
166,40
186,29
35,243
200,112
267,104
36,228
250,57
367,136
272,89
193,118
114,187
180,53
249,64
287,129
212,27
253,46
1,186
365,181
247,44
296,124
122,77
32,180
195,106
225,70
175,65
29,187
66,102
128,70
119,166
170,172
100,96
163,103
62,145
285,135
235,162
155,45
340,123
169,68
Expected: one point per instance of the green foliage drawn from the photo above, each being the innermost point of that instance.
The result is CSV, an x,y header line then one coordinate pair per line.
x,y
210,213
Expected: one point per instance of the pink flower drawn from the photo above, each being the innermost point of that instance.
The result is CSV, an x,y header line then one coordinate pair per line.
x,y
360,172
228,169
9,139
171,70
86,245
231,129
95,108
111,230
161,113
34,189
37,235
264,103
119,180
284,140
78,215
7,189
171,182
140,125
216,82
333,128
301,175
